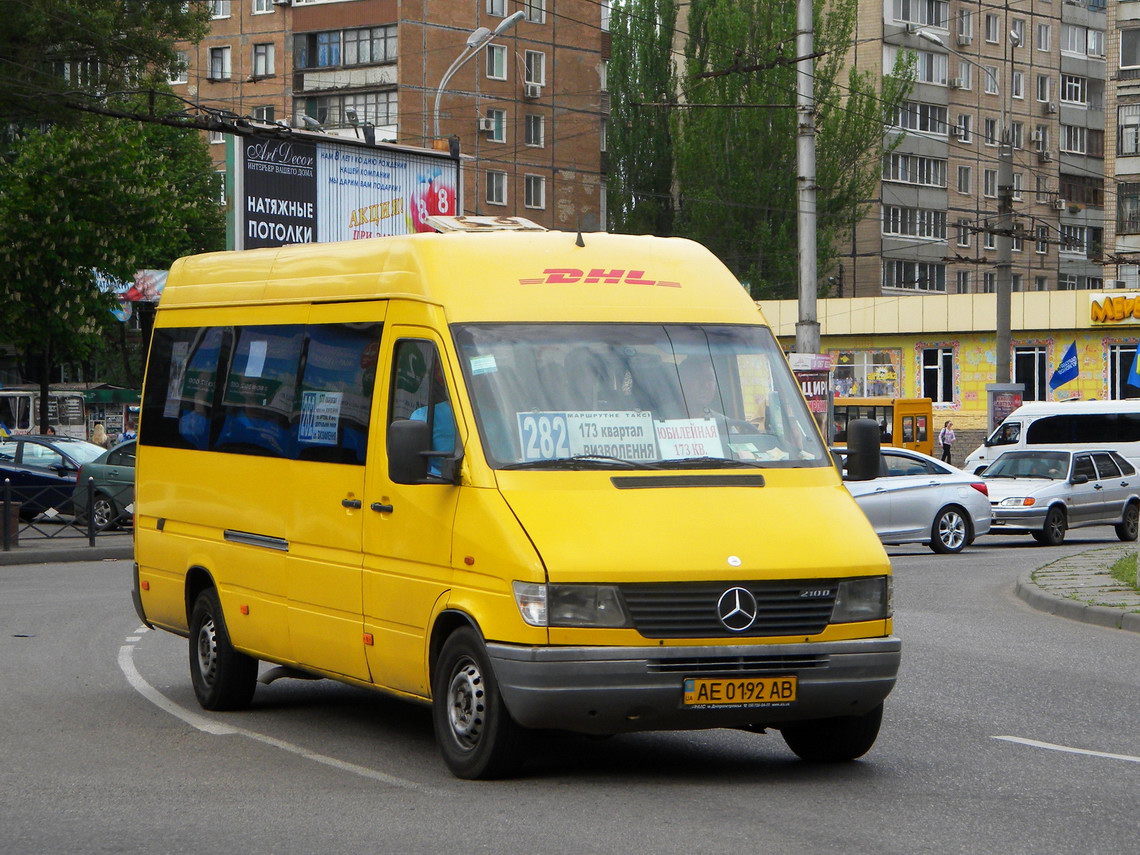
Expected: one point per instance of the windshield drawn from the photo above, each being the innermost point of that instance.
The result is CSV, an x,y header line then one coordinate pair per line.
x,y
635,395
1030,464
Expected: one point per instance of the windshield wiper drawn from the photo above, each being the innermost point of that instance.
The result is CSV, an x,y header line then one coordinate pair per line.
x,y
582,461
709,463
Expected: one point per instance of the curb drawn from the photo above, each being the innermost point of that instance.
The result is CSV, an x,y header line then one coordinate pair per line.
x,y
66,554
1042,600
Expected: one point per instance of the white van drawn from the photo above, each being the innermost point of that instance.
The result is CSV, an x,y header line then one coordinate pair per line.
x,y
1078,425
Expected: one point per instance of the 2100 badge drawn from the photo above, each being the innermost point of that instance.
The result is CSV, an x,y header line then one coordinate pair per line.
x,y
752,691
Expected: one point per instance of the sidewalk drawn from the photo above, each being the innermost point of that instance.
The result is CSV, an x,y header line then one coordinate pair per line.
x,y
1080,587
42,550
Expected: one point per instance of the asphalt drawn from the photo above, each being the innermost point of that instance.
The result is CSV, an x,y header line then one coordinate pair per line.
x,y
1078,587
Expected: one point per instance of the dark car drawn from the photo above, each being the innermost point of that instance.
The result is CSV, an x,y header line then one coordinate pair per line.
x,y
110,478
42,470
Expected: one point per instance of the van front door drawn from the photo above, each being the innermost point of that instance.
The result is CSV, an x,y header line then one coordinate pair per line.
x,y
407,527
335,390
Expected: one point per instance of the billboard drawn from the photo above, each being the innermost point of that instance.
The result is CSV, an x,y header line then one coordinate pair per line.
x,y
307,188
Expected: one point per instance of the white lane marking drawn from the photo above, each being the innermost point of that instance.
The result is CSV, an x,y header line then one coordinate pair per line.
x,y
1033,743
207,725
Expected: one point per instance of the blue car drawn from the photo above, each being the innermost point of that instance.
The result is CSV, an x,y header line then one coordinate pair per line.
x,y
41,471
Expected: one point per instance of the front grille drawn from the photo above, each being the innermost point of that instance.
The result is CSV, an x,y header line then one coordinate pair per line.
x,y
689,609
778,664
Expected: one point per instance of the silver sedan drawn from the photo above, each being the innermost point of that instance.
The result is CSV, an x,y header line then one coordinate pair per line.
x,y
919,499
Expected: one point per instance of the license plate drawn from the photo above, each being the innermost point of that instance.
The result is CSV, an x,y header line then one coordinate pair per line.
x,y
750,691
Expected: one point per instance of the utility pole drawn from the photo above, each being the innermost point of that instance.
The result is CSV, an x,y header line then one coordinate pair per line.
x,y
807,327
1004,255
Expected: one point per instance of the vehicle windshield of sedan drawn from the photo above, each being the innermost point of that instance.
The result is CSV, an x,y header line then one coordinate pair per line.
x,y
576,396
1053,465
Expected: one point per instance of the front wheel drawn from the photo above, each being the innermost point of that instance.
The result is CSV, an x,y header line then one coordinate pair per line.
x,y
476,734
1128,527
223,678
103,513
833,740
950,531
1053,534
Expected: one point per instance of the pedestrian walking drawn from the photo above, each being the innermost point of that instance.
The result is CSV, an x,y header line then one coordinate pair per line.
x,y
946,437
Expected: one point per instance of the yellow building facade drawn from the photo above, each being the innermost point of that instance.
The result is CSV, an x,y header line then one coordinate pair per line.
x,y
943,346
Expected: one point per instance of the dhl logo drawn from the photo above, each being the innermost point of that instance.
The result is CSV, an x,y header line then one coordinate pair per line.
x,y
570,276
1114,309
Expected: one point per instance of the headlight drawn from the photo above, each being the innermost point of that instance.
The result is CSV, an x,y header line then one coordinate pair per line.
x,y
570,605
1017,502
863,599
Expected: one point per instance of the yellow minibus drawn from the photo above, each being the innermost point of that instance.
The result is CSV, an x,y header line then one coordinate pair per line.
x,y
537,480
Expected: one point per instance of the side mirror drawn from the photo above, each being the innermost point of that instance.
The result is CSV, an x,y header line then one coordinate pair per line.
x,y
1080,479
408,442
863,437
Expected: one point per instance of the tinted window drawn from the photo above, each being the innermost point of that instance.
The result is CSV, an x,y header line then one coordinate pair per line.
x,y
283,390
1104,428
1083,465
1126,468
1106,466
124,456
419,391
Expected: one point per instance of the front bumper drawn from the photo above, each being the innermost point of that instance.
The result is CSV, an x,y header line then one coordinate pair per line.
x,y
1021,519
605,690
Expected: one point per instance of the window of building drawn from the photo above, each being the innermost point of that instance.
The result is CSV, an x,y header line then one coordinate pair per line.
x,y
965,23
220,63
1120,360
990,131
914,222
917,116
1040,283
378,108
1017,30
496,62
605,8
264,114
1072,238
931,13
964,232
965,127
1128,207
992,80
498,125
992,28
1041,137
1016,134
1041,188
498,8
1073,138
496,187
930,67
215,137
534,130
1017,187
1031,370
219,8
1128,129
1074,89
261,7
1017,84
604,75
863,373
534,61
370,45
1130,48
989,183
914,275
964,177
535,11
965,78
1042,37
1044,87
914,169
1082,190
1041,245
263,60
962,282
989,239
179,73
938,374
534,191
989,282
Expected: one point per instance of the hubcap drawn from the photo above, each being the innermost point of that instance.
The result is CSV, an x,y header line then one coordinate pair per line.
x,y
102,513
207,651
466,703
952,530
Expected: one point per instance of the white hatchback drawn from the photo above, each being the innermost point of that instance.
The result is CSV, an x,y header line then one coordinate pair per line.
x,y
919,499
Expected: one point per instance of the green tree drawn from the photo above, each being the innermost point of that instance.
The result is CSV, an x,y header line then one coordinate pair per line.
x,y
58,53
639,143
103,194
733,162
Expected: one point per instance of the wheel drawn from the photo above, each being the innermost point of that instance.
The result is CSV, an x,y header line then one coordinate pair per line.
x,y
103,512
223,678
1129,526
950,531
476,735
833,740
1053,534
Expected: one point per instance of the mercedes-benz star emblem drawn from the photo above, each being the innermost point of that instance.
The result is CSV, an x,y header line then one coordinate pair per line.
x,y
736,609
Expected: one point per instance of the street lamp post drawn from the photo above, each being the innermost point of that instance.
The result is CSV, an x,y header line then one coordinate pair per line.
x,y
476,41
1004,232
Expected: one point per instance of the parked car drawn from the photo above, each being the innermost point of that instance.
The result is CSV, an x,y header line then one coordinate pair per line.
x,y
42,471
112,480
1047,491
919,499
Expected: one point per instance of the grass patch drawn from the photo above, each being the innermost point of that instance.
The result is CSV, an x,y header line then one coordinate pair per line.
x,y
1124,571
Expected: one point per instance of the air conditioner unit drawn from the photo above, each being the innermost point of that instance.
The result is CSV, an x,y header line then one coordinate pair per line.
x,y
955,132
282,2
1045,157
532,90
964,38
1037,136
1058,204
912,29
487,125
956,83
1051,107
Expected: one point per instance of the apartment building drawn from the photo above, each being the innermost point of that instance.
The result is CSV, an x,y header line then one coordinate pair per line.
x,y
1122,143
529,108
1032,68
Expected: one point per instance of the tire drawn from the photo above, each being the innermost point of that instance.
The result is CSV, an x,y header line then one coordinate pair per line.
x,y
1053,534
833,740
950,532
104,512
1129,526
476,734
223,678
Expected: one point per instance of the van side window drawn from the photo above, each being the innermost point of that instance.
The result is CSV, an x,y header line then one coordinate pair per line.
x,y
293,391
419,391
